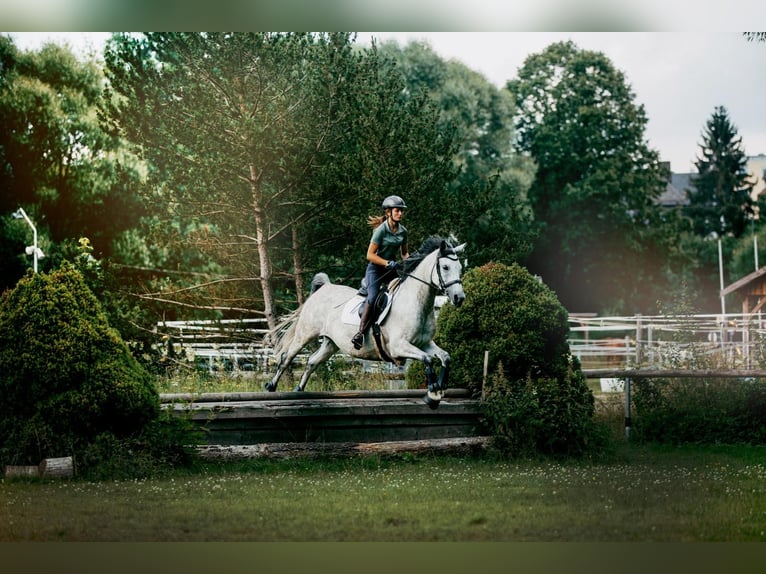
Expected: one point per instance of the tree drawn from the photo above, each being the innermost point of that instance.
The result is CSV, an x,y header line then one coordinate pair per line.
x,y
56,161
485,204
596,182
263,147
721,203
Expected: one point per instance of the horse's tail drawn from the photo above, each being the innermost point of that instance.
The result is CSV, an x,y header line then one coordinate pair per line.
x,y
284,332
318,281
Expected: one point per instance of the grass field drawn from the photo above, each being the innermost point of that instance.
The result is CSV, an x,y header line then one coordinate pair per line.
x,y
638,493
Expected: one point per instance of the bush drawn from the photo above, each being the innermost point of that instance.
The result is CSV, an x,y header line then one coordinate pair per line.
x,y
542,416
536,399
708,411
66,377
515,317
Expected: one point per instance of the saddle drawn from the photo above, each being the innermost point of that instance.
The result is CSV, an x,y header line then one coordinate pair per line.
x,y
382,301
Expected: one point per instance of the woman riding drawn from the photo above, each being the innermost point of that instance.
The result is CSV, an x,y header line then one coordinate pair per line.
x,y
389,239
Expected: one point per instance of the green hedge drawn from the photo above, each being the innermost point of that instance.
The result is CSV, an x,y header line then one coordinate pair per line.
x,y
707,411
66,377
537,400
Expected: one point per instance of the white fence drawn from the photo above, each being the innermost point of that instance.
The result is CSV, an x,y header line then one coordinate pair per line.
x,y
236,346
733,341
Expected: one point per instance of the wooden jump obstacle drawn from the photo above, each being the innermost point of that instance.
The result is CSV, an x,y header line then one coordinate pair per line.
x,y
346,420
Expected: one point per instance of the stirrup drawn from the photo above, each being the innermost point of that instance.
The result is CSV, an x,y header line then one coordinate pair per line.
x,y
358,340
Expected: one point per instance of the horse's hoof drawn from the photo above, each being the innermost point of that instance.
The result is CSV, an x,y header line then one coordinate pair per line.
x,y
432,400
270,387
297,389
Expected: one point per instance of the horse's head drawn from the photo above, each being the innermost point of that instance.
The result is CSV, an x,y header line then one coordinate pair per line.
x,y
449,271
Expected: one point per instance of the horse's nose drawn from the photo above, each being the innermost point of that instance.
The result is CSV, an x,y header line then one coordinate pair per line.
x,y
458,298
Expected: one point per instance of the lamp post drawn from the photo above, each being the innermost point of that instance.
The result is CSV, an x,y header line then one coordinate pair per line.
x,y
33,250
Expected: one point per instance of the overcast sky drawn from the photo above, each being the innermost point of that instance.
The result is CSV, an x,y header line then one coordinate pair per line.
x,y
679,77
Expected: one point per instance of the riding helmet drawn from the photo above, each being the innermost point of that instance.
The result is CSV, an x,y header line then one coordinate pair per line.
x,y
393,201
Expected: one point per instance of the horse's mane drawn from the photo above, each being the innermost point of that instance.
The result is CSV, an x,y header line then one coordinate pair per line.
x,y
430,245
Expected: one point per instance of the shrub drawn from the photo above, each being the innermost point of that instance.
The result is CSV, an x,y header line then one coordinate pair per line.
x,y
536,399
710,411
515,317
66,377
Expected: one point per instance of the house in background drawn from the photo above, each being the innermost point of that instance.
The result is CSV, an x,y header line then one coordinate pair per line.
x,y
675,194
680,184
756,167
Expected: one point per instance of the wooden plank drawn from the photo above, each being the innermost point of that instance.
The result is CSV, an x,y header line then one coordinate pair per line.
x,y
62,467
360,408
17,471
333,417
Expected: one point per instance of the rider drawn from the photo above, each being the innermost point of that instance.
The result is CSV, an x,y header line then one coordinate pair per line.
x,y
389,238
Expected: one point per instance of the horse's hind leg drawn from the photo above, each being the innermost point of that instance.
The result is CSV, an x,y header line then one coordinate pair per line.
x,y
326,350
286,358
271,386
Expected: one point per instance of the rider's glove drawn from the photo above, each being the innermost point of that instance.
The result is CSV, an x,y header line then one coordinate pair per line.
x,y
392,265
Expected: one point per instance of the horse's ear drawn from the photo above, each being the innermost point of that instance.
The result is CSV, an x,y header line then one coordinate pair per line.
x,y
460,248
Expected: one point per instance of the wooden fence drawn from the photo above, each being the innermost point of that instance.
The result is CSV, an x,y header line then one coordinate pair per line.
x,y
344,420
732,341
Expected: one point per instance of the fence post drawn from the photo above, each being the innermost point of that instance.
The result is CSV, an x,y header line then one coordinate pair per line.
x,y
627,408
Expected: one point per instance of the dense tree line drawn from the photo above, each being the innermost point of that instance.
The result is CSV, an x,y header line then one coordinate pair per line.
x,y
213,174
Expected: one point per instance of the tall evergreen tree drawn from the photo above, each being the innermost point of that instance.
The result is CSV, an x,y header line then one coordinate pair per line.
x,y
721,203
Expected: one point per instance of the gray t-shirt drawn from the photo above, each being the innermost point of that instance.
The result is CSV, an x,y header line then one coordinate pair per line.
x,y
388,242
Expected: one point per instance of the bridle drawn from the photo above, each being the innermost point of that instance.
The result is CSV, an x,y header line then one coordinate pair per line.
x,y
441,286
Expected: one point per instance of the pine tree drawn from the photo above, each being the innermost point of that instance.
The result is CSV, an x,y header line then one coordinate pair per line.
x,y
721,203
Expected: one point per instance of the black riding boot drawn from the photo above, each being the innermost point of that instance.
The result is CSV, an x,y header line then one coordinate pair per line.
x,y
364,324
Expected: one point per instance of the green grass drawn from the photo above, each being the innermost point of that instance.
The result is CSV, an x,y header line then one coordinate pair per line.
x,y
639,494
333,375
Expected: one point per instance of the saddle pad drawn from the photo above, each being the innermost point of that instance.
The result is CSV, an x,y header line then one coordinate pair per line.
x,y
351,313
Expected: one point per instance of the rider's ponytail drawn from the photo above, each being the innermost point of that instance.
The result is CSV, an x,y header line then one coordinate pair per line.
x,y
375,220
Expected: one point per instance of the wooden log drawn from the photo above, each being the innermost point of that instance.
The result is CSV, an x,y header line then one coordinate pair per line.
x,y
15,471
461,445
62,467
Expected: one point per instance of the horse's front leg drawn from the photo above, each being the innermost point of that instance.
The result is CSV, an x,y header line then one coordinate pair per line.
x,y
435,351
403,350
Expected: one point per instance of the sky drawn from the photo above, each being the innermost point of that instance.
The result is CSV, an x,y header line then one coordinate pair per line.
x,y
679,77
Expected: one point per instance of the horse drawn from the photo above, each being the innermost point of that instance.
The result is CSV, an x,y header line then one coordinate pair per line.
x,y
406,327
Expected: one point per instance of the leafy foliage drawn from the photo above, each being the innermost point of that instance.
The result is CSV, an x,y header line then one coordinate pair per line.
x,y
514,317
56,160
593,194
536,396
66,377
485,204
711,411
